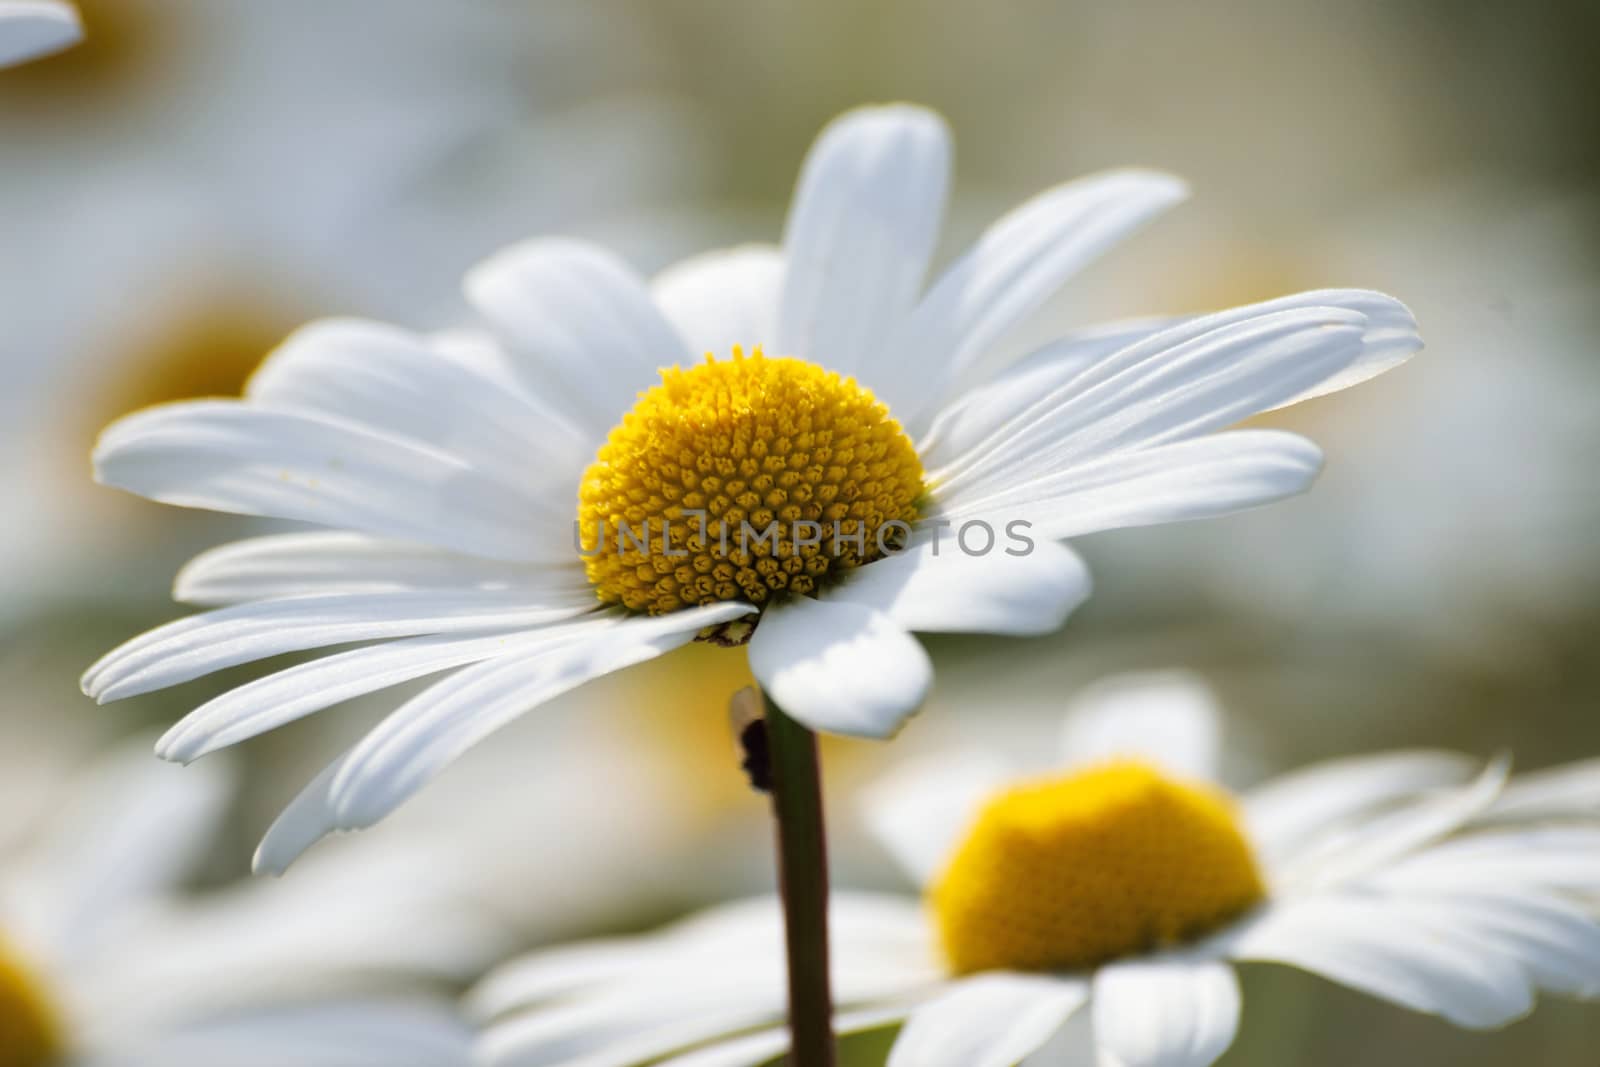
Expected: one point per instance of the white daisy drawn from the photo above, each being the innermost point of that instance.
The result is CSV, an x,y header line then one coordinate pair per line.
x,y
1118,891
453,471
33,28
103,960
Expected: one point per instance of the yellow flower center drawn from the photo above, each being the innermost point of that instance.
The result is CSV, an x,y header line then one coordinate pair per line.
x,y
30,1034
1071,872
744,479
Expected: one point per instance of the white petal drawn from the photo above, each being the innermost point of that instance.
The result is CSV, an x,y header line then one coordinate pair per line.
x,y
267,703
306,564
235,457
1019,263
1385,839
979,412
1197,479
1155,392
200,644
335,1033
418,740
764,1045
1552,858
839,667
33,28
1553,940
990,1020
1165,1012
132,828
1286,814
724,298
1169,718
921,810
390,380
1391,337
582,320
1361,943
936,586
1568,791
863,224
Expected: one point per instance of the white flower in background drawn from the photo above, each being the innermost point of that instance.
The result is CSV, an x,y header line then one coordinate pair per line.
x,y
1118,892
33,28
454,471
104,960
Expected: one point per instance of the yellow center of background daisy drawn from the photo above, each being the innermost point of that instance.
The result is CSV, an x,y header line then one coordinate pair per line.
x,y
1072,872
743,479
29,1033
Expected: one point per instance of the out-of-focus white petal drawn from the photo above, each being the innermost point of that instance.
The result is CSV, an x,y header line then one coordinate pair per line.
x,y
1361,943
988,1020
725,298
862,226
921,810
1165,1012
1017,264
840,667
589,336
1286,814
33,28
1168,718
936,586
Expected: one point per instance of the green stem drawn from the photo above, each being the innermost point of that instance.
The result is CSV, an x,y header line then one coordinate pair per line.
x,y
803,880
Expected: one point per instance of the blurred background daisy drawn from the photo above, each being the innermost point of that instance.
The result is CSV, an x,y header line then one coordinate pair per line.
x,y
194,178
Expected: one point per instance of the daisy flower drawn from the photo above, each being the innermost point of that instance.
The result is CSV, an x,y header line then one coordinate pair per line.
x,y
33,28
104,961
1120,891
584,491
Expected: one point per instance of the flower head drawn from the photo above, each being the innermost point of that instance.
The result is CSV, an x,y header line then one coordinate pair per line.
x,y
1123,889
784,441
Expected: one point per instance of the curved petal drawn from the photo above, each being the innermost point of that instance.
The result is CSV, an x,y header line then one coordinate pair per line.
x,y
582,321
1197,479
861,229
725,298
989,1020
1165,1012
1155,393
30,29
921,810
1018,263
235,457
1170,718
193,647
1024,588
324,563
268,703
1286,814
418,740
977,413
393,381
1361,943
840,667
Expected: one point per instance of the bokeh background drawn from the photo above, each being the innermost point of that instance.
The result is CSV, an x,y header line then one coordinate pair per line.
x,y
203,175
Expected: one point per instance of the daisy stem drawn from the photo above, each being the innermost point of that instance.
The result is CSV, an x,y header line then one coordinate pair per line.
x,y
803,881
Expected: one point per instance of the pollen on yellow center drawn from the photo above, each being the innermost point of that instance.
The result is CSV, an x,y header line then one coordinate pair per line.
x,y
1071,872
30,1035
744,478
